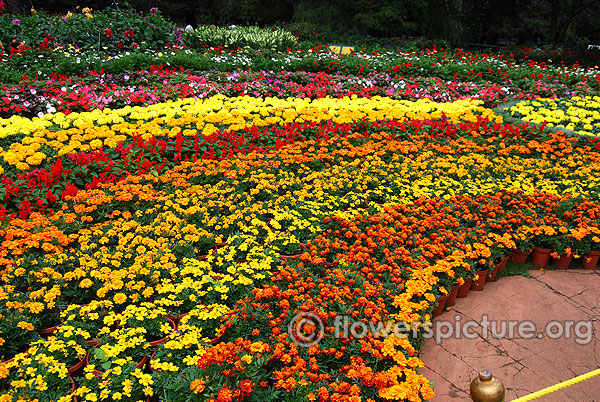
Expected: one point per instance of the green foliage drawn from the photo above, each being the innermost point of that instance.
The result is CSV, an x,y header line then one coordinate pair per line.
x,y
127,30
513,269
239,37
100,355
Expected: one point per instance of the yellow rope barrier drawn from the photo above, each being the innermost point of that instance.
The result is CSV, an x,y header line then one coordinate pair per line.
x,y
558,386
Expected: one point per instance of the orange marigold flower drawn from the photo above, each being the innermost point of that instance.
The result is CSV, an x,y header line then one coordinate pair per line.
x,y
197,386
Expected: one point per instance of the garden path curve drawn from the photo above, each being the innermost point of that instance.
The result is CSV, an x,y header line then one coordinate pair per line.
x,y
524,365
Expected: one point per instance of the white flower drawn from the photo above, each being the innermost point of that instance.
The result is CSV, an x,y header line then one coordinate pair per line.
x,y
189,28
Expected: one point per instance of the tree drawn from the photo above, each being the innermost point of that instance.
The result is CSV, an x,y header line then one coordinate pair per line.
x,y
565,14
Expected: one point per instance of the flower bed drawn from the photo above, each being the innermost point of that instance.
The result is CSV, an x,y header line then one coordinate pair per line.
x,y
110,30
113,143
78,94
578,114
36,97
376,204
161,233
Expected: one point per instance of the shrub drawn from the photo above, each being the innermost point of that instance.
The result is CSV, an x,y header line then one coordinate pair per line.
x,y
238,37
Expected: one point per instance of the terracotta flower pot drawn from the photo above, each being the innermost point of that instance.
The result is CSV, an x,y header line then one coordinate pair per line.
x,y
142,362
464,288
150,363
176,317
503,265
519,256
563,262
290,256
480,282
441,304
46,332
78,366
73,388
590,261
451,301
541,256
494,272
164,339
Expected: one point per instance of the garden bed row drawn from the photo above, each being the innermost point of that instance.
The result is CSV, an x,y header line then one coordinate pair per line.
x,y
394,215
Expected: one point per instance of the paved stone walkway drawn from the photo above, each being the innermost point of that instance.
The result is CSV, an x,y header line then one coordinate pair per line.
x,y
524,365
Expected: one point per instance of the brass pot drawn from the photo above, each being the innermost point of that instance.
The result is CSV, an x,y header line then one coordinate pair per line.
x,y
486,388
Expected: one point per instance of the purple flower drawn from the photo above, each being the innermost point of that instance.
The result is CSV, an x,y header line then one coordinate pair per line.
x,y
16,21
153,10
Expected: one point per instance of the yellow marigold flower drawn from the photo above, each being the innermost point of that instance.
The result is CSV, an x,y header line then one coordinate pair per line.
x,y
120,298
91,397
25,325
86,283
22,166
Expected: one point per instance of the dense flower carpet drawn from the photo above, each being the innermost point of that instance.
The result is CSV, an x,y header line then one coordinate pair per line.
x,y
172,282
162,229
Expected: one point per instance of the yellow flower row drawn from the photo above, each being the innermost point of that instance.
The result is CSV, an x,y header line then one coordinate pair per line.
x,y
579,114
59,134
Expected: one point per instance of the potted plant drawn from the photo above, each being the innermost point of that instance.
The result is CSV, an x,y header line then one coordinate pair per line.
x,y
563,246
122,344
37,375
287,245
482,269
152,318
205,318
546,239
205,241
123,377
93,320
67,347
178,297
524,247
465,283
16,331
439,304
589,249
500,249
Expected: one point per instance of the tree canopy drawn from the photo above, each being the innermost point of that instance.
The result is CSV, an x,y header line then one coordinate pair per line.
x,y
552,22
